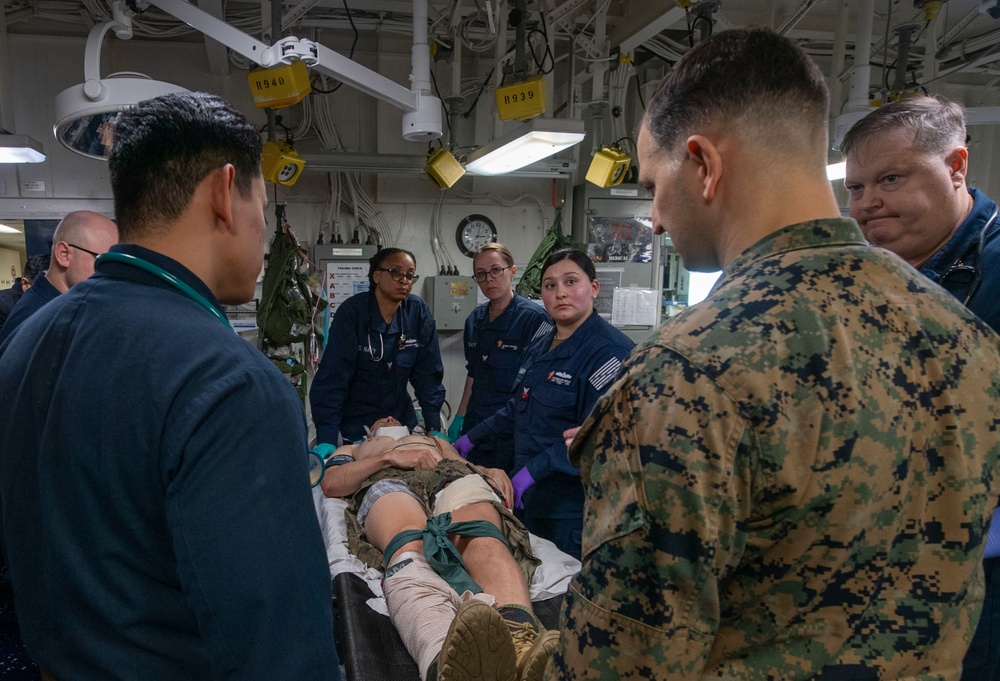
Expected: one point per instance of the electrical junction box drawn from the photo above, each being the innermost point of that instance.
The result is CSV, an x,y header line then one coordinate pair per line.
x,y
280,164
279,87
608,167
520,101
451,299
443,168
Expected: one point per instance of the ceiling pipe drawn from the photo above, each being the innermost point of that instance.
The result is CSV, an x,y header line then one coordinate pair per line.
x,y
856,106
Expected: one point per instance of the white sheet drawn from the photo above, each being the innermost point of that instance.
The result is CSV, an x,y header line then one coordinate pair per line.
x,y
551,578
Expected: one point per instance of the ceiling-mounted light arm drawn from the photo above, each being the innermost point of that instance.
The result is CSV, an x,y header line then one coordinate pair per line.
x,y
214,28
357,76
422,117
121,24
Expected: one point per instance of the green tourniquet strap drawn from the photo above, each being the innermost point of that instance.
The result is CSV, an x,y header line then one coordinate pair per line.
x,y
441,554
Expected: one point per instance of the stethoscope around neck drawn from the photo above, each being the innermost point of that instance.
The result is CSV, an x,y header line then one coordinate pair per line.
x,y
959,266
163,275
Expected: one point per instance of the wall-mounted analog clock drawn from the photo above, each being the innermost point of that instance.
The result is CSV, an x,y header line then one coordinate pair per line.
x,y
474,232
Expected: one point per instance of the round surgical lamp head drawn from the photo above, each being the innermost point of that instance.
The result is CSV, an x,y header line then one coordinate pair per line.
x,y
83,112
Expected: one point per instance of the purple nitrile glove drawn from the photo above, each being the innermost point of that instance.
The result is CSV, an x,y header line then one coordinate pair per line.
x,y
521,481
464,445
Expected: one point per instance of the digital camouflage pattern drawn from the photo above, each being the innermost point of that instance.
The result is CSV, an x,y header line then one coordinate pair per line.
x,y
425,483
791,480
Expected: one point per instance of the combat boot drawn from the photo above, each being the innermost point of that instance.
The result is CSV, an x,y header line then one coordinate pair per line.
x,y
478,647
533,648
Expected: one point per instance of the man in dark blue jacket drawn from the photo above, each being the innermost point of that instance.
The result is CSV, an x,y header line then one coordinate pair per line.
x,y
33,266
153,468
79,238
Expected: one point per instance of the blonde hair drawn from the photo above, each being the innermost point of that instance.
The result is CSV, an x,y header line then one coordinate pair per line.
x,y
502,250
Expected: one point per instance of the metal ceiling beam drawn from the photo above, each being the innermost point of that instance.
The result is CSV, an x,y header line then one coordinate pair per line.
x,y
639,26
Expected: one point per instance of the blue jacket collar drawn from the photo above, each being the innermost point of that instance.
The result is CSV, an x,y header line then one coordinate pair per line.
x,y
961,241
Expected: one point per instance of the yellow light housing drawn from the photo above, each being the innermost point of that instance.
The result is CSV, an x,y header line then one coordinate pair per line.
x,y
608,168
521,101
279,87
443,168
280,164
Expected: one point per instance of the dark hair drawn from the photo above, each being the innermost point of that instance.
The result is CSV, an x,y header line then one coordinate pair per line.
x,y
164,147
938,125
579,257
35,265
752,77
376,261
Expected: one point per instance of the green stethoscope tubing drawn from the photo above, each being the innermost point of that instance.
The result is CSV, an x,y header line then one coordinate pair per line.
x,y
161,273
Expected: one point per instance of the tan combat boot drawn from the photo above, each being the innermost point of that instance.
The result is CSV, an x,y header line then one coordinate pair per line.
x,y
533,650
478,646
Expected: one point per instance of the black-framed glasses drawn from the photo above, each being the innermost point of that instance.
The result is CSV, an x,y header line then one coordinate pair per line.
x,y
398,276
81,248
493,273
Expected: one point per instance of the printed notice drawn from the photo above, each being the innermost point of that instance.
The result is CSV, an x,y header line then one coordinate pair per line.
x,y
634,307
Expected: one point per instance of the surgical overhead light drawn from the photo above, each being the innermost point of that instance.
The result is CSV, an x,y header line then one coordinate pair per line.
x,y
20,149
81,110
531,141
609,167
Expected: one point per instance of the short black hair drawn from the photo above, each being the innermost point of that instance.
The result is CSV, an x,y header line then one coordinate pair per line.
x,y
938,124
376,261
164,147
753,76
577,256
35,265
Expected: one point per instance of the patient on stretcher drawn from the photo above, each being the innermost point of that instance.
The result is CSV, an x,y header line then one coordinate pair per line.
x,y
457,562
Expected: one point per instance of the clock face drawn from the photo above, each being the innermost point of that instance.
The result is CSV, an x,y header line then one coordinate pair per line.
x,y
474,232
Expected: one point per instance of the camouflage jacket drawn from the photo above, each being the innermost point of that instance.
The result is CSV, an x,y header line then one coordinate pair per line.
x,y
792,478
425,483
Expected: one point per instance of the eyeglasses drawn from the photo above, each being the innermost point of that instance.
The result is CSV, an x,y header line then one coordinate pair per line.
x,y
81,248
493,273
398,276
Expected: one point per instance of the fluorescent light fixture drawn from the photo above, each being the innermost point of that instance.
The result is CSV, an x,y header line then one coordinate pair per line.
x,y
836,171
532,141
7,229
20,149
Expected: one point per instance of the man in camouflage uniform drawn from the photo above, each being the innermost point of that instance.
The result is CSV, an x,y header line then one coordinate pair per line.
x,y
907,165
457,562
793,479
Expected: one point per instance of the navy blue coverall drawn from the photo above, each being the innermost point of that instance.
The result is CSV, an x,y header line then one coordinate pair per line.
x,y
494,351
556,391
367,365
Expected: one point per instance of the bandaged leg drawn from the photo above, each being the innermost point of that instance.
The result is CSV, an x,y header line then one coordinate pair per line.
x,y
421,606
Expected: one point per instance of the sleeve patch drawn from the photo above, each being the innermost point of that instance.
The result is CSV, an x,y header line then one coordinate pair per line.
x,y
606,374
